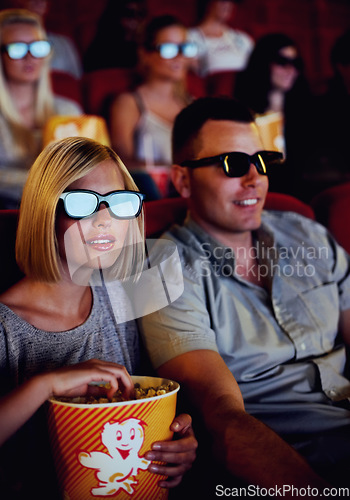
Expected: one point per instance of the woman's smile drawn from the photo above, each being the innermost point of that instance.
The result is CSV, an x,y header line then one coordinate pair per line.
x,y
101,243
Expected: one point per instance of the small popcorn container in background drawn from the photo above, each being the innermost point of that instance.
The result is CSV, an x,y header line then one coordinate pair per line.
x,y
99,449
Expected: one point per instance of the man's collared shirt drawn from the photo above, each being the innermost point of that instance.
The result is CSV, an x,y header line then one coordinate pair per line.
x,y
280,342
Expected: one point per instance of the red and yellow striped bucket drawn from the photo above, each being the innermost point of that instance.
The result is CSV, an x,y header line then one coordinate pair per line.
x,y
99,448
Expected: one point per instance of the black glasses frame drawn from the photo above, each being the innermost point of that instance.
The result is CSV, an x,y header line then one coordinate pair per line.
x,y
288,61
105,198
229,162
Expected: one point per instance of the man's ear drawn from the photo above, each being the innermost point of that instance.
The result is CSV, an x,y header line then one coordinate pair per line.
x,y
181,180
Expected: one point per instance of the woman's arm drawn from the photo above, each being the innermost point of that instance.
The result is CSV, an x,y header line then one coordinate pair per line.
x,y
124,118
18,406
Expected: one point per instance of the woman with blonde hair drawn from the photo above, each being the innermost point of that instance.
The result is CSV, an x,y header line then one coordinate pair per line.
x,y
26,98
80,210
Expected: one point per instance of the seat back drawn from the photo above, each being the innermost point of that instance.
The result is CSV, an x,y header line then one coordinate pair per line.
x,y
10,272
288,203
65,85
221,83
102,85
161,214
331,207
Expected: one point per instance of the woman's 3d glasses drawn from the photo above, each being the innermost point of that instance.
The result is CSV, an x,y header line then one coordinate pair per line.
x,y
81,203
237,164
288,61
18,50
170,50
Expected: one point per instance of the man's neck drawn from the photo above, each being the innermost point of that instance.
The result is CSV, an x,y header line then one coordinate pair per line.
x,y
246,260
232,239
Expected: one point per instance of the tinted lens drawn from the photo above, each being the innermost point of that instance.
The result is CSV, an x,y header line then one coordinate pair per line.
x,y
189,49
125,205
268,158
40,48
286,61
17,50
236,164
168,50
79,205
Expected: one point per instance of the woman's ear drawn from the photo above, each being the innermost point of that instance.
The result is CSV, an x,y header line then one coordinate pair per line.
x,y
181,180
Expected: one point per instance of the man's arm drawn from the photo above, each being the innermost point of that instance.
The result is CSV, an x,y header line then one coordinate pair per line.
x,y
251,450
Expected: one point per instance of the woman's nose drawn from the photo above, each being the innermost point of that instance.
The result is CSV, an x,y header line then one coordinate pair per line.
x,y
102,218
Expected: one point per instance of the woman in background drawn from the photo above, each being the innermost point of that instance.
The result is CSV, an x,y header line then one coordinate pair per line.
x,y
220,47
273,82
65,55
141,120
26,98
333,116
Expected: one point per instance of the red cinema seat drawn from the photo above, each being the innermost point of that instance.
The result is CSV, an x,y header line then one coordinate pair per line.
x,y
102,85
65,85
332,207
161,214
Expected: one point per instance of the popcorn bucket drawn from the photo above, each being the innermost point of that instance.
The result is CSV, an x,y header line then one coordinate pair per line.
x,y
61,126
99,449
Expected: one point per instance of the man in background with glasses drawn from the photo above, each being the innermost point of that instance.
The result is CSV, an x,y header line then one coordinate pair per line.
x,y
255,339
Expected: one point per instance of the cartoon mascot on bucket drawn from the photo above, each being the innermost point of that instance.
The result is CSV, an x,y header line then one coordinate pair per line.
x,y
117,470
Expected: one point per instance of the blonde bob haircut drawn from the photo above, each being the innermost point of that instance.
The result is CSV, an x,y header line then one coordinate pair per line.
x,y
58,165
44,102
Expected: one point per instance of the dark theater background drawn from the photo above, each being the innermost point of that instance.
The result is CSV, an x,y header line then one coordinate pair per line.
x,y
314,24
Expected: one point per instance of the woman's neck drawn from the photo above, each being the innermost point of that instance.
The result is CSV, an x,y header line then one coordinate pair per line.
x,y
276,100
161,88
212,27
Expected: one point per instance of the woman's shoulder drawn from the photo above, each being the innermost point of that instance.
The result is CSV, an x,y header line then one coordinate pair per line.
x,y
126,101
14,297
12,308
18,301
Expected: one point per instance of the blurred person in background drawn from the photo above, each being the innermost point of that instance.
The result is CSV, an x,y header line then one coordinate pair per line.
x,y
115,43
333,110
221,48
65,55
26,98
141,120
274,82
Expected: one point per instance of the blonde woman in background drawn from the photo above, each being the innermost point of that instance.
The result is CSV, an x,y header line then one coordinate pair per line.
x,y
26,98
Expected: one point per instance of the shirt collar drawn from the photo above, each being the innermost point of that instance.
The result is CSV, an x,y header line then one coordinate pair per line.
x,y
223,255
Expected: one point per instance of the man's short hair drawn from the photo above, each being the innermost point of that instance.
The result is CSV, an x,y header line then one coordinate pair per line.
x,y
191,119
